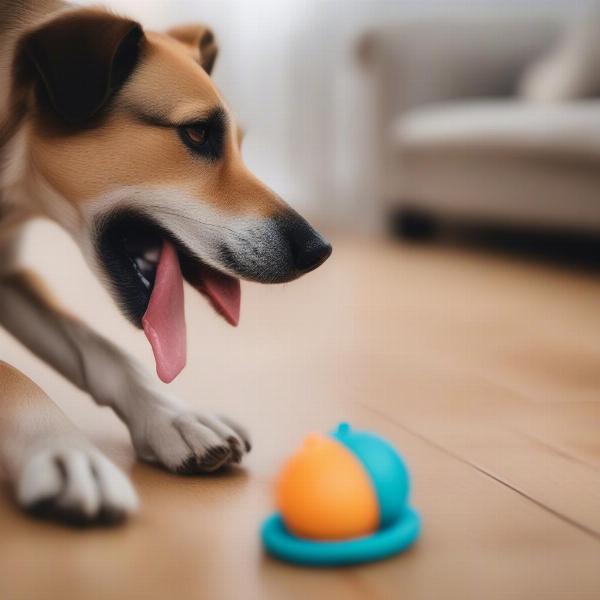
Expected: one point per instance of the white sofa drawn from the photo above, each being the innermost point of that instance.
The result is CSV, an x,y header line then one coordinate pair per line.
x,y
454,139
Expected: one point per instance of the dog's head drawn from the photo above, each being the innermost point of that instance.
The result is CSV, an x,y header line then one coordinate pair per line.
x,y
140,159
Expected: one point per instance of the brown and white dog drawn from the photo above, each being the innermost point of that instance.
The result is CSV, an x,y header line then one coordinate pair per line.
x,y
120,136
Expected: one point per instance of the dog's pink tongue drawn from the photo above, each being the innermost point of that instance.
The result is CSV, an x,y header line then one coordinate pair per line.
x,y
224,293
164,320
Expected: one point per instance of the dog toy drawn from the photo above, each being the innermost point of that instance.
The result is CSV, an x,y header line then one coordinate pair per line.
x,y
342,499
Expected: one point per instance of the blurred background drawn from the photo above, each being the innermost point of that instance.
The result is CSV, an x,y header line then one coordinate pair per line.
x,y
366,113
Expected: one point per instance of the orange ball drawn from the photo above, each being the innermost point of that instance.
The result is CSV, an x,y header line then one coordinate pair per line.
x,y
324,493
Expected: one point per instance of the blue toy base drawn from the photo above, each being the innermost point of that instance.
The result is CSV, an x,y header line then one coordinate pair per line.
x,y
384,543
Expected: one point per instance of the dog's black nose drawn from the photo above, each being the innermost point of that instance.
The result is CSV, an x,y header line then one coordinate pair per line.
x,y
309,249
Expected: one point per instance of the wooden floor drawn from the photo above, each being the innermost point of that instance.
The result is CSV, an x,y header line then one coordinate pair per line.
x,y
483,370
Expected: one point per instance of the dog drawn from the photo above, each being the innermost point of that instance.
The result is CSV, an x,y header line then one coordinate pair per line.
x,y
120,136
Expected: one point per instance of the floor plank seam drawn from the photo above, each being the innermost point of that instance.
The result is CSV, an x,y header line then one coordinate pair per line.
x,y
580,526
558,451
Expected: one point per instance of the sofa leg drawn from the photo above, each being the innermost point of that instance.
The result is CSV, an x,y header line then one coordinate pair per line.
x,y
413,224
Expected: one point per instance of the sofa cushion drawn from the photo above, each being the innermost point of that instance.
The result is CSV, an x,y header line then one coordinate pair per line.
x,y
510,162
569,130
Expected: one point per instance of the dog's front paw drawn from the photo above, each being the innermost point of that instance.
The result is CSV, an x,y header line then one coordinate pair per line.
x,y
187,442
71,481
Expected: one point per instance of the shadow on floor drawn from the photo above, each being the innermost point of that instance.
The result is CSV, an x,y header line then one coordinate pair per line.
x,y
572,250
568,250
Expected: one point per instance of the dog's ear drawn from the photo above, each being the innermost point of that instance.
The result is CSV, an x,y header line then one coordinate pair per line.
x,y
78,61
202,42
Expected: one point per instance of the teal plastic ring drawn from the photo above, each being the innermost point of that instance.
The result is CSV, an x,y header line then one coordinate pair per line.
x,y
383,543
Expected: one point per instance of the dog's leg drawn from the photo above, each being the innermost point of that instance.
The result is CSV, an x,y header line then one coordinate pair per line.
x,y
161,428
55,471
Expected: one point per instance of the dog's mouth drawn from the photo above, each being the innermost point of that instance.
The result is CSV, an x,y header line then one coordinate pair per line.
x,y
146,266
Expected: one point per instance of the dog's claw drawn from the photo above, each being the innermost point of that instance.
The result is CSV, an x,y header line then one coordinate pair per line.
x,y
236,450
214,458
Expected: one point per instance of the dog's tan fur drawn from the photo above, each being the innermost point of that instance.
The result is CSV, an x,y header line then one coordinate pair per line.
x,y
180,90
72,175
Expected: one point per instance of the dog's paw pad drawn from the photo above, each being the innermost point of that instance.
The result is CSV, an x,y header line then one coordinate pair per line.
x,y
74,484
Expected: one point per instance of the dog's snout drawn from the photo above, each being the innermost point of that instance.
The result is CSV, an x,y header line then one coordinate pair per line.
x,y
309,249
276,250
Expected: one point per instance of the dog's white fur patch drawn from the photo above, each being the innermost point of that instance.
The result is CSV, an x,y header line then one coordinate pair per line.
x,y
68,474
199,226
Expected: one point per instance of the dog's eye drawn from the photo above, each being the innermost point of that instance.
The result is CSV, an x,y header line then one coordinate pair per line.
x,y
206,138
195,135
